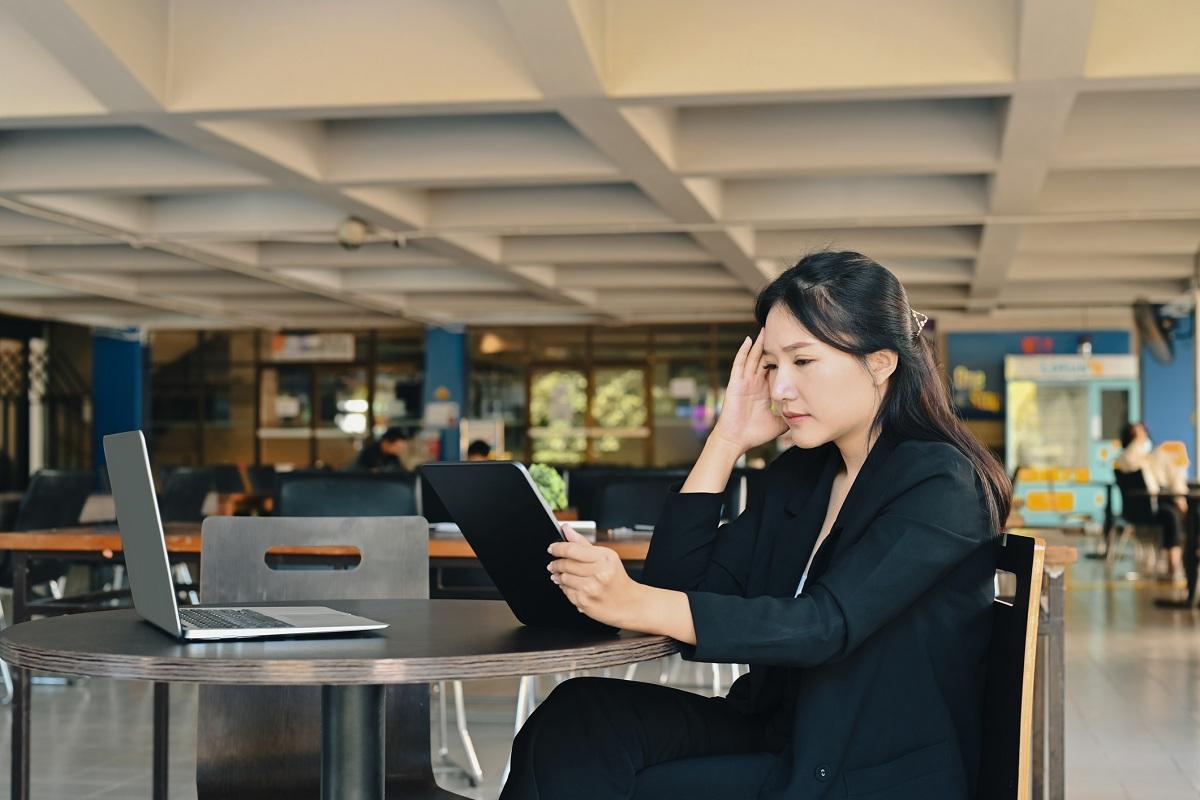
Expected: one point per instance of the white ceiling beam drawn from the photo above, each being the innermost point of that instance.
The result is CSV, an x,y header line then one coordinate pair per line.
x,y
15,264
560,46
1052,48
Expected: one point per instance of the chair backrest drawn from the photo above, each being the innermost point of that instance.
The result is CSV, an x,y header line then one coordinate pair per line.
x,y
265,741
344,494
183,493
262,478
227,479
1012,656
584,485
624,504
1137,507
53,499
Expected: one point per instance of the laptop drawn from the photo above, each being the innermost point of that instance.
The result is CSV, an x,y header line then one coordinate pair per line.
x,y
150,572
509,526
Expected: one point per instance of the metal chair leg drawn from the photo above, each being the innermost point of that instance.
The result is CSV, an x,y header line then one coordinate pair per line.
x,y
526,701
443,739
5,672
460,711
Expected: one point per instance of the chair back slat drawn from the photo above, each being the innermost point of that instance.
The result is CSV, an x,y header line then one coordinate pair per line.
x,y
265,741
1012,658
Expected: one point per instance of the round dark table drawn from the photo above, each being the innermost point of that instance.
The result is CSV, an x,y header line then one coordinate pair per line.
x,y
427,640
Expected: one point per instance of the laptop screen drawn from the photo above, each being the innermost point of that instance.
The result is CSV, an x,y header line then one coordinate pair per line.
x,y
141,530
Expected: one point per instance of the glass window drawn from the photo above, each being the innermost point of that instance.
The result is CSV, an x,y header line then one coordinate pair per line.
x,y
685,407
1114,412
286,397
398,397
342,399
228,432
1048,424
496,390
620,432
558,415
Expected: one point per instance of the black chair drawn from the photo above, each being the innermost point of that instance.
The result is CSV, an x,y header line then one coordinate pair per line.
x,y
227,479
585,484
263,478
316,493
625,504
1138,521
54,499
183,493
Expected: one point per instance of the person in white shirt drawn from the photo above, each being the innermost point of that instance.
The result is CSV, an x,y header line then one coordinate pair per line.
x,y
1162,477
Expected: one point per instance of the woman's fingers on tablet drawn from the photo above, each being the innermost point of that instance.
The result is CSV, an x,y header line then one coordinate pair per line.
x,y
567,566
575,550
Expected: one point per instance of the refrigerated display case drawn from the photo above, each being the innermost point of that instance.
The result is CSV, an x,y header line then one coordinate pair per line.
x,y
1063,423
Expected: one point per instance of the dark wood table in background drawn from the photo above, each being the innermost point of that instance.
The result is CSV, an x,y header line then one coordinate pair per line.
x,y
427,640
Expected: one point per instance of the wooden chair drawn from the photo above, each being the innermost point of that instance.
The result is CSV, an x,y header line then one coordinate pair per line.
x,y
1008,706
1012,657
265,742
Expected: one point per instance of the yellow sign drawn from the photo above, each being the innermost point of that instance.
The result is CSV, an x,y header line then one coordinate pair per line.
x,y
1050,501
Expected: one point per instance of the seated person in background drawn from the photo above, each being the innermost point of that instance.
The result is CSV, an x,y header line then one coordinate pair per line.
x,y
479,450
386,454
1161,477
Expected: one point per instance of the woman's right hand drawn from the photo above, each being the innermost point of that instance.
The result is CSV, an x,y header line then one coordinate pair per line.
x,y
746,419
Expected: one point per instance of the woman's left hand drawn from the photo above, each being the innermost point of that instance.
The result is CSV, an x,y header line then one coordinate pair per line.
x,y
595,581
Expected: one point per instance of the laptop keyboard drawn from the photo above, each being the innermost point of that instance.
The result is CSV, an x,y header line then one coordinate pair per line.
x,y
210,619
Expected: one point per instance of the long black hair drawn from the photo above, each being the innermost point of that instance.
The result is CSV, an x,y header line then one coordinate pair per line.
x,y
851,303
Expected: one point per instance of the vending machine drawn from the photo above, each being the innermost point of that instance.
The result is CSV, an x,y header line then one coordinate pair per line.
x,y
1063,419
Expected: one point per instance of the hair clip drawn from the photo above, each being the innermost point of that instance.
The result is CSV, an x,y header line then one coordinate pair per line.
x,y
920,319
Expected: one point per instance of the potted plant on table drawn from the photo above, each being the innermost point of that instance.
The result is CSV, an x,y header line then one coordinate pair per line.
x,y
553,489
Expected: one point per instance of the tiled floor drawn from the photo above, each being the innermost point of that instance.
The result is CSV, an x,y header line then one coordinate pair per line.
x,y
1133,712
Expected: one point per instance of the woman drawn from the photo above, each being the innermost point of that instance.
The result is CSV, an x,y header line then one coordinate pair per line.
x,y
1138,454
858,586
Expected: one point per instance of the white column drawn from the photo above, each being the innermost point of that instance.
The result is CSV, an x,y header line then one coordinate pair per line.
x,y
37,408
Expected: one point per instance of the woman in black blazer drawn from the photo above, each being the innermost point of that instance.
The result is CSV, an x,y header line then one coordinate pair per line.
x,y
858,586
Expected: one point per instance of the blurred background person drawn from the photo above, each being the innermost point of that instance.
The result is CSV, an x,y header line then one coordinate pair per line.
x,y
1162,477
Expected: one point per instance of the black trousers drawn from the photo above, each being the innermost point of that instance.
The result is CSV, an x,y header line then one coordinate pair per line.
x,y
601,739
1171,522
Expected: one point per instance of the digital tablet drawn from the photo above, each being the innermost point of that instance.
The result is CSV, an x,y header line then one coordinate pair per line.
x,y
509,526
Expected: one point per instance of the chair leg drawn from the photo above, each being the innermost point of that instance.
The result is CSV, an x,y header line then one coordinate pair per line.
x,y
716,681
526,701
460,712
5,672
443,739
668,669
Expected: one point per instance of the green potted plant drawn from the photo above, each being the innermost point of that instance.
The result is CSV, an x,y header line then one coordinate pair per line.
x,y
552,487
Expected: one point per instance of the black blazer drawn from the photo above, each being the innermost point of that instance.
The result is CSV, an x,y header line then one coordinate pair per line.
x,y
870,683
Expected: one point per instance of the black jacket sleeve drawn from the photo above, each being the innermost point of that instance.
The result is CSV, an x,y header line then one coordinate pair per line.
x,y
690,550
934,523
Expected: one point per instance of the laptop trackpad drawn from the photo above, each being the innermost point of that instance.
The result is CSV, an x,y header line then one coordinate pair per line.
x,y
310,616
